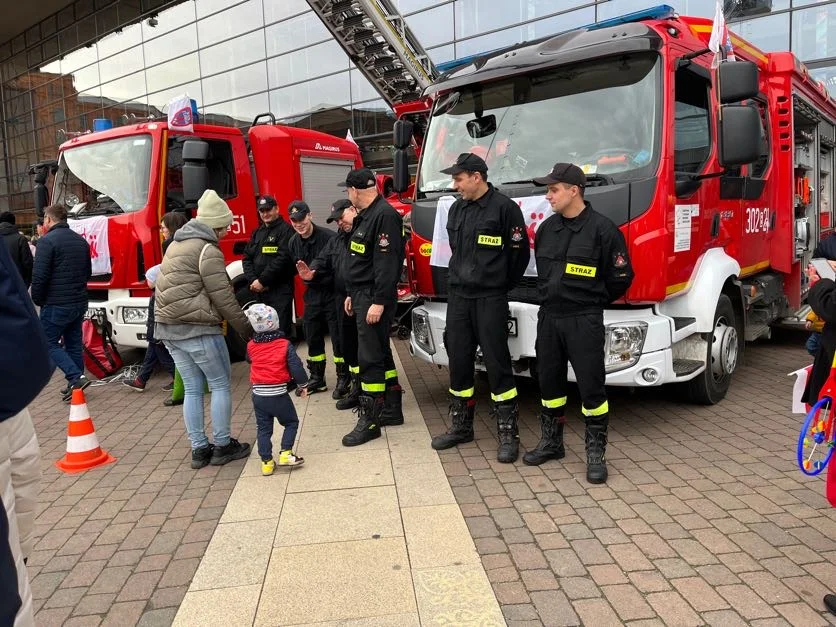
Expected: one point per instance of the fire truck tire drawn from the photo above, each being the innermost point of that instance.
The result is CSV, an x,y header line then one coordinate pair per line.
x,y
710,387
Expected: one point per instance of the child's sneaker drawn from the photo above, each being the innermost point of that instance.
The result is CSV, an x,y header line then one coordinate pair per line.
x,y
267,467
289,458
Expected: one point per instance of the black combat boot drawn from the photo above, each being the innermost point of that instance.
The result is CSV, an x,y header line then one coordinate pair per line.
x,y
507,414
596,449
349,401
392,414
461,424
317,381
343,381
368,427
551,440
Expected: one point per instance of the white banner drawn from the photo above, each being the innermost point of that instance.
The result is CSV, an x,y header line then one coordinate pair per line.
x,y
535,209
94,230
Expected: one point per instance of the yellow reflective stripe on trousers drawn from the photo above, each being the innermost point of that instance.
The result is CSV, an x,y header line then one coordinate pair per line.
x,y
354,369
373,387
339,360
602,409
463,393
317,357
505,396
391,374
554,403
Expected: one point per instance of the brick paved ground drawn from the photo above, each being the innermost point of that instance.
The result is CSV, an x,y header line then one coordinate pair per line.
x,y
705,518
120,544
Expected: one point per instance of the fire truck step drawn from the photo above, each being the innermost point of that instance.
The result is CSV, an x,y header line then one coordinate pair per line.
x,y
682,367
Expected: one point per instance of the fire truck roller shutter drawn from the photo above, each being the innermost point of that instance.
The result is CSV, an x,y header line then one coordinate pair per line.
x,y
319,185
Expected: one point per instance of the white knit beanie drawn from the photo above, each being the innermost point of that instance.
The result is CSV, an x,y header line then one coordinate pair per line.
x,y
213,211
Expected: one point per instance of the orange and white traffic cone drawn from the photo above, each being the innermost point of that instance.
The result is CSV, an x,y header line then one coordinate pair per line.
x,y
83,450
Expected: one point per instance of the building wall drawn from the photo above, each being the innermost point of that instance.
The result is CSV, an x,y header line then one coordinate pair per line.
x,y
109,59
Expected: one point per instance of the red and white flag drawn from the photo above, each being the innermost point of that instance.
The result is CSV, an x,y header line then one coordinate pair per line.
x,y
180,116
720,36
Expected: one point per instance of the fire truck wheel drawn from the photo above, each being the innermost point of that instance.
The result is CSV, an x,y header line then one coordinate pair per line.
x,y
723,350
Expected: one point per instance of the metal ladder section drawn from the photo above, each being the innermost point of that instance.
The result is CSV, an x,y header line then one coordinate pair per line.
x,y
377,40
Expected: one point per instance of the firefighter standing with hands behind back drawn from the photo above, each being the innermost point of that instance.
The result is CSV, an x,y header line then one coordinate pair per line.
x,y
490,254
582,266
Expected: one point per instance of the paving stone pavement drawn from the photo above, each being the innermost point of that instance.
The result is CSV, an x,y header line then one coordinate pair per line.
x,y
705,518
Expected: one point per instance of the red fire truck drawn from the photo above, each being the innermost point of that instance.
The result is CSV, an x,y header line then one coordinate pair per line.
x,y
118,183
721,179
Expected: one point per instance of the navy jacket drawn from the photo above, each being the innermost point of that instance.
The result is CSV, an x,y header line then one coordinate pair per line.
x,y
62,268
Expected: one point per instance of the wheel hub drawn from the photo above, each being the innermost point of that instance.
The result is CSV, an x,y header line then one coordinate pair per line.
x,y
724,350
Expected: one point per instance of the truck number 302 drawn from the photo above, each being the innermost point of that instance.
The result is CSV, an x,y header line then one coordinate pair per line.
x,y
757,220
237,226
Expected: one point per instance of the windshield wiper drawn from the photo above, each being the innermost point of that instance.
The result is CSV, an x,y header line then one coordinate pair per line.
x,y
438,191
515,182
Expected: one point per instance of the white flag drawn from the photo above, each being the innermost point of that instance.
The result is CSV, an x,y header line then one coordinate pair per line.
x,y
801,376
720,36
180,114
350,138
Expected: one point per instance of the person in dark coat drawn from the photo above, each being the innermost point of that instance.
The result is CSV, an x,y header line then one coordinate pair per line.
x,y
822,299
59,286
17,245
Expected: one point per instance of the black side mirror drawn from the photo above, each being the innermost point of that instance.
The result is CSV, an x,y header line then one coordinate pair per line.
x,y
195,172
740,135
687,187
402,134
738,81
482,127
400,173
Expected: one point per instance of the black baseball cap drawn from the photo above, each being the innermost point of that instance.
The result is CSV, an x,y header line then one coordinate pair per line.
x,y
467,162
567,173
298,209
265,203
362,178
338,208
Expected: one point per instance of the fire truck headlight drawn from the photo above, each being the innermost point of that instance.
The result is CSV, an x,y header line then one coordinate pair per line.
x,y
623,344
135,315
421,331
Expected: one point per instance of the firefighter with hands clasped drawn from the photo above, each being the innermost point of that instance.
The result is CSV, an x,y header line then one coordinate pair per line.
x,y
582,266
308,241
267,264
373,269
490,252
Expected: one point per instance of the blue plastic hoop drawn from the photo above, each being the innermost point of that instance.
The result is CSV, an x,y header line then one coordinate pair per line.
x,y
813,415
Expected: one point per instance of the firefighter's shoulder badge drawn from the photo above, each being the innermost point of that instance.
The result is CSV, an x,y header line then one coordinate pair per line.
x,y
620,260
517,236
383,242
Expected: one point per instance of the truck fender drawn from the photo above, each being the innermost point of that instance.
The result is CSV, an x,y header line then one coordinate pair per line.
x,y
699,300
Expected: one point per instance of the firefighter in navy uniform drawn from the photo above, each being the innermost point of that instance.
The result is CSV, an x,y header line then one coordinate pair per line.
x,y
267,264
331,262
308,241
490,252
373,269
582,266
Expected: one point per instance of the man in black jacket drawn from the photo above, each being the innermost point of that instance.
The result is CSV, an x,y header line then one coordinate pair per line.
x,y
59,285
490,254
268,266
17,245
582,266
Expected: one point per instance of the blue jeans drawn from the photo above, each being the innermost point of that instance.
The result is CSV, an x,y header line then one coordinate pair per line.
x,y
65,322
813,343
279,407
199,359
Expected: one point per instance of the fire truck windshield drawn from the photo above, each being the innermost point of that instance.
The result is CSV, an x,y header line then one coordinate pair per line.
x,y
104,177
602,115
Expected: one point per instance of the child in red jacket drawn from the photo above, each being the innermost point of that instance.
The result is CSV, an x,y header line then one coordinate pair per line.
x,y
273,364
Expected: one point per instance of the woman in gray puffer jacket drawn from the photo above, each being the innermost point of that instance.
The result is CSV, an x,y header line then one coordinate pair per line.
x,y
193,298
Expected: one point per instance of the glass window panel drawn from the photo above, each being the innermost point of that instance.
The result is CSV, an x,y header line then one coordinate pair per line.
x,y
107,20
86,79
158,101
121,64
171,45
814,32
275,10
826,75
33,35
128,39
769,33
323,93
50,47
169,20
234,53
208,7
442,53
479,16
49,26
34,57
124,89
82,57
240,112
240,82
324,58
433,27
294,33
406,7
175,72
361,88
239,19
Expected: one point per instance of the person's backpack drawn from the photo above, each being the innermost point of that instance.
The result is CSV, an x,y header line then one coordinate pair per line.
x,y
101,359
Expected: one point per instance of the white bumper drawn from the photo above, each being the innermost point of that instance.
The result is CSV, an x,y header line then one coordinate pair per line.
x,y
656,352
124,333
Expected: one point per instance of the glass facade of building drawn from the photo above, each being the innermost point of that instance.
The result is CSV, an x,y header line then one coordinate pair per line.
x,y
119,59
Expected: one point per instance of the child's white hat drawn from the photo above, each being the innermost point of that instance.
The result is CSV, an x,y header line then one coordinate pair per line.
x,y
263,318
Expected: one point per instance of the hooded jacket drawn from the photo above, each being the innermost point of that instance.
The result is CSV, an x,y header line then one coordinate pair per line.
x,y
18,247
193,294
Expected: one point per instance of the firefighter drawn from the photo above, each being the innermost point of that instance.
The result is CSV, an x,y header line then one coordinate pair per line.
x,y
373,268
331,261
582,266
308,241
490,252
267,264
